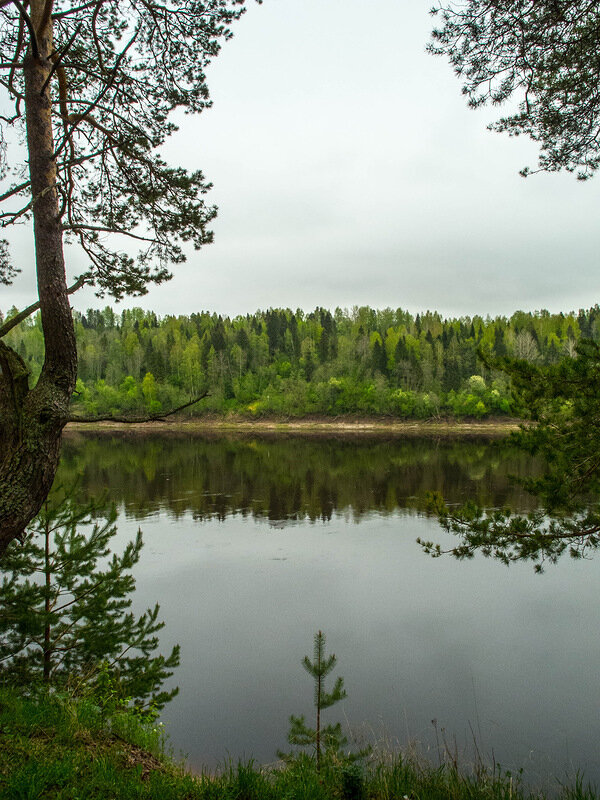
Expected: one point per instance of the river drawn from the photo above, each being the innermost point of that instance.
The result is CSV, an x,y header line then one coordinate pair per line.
x,y
253,544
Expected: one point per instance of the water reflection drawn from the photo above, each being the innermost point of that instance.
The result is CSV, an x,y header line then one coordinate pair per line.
x,y
289,479
245,578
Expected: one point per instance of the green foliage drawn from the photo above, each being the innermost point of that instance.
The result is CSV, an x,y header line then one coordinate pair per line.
x,y
545,53
279,362
562,402
66,616
325,741
157,54
53,747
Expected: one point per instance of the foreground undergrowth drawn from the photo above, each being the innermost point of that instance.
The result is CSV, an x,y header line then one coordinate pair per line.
x,y
55,747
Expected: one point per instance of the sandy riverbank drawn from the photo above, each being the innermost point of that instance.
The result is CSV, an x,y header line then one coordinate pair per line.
x,y
309,426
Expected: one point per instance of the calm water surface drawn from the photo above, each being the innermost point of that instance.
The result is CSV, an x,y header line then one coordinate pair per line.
x,y
251,545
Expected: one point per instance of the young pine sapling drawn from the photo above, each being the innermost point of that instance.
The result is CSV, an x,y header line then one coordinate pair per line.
x,y
65,608
329,737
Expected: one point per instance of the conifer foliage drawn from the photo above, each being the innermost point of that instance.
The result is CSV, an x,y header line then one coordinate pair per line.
x,y
66,600
329,737
92,86
561,403
543,53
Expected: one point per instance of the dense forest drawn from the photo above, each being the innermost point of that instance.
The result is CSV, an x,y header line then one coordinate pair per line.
x,y
281,362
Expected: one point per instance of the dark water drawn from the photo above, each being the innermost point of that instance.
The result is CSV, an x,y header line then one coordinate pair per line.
x,y
254,544
292,478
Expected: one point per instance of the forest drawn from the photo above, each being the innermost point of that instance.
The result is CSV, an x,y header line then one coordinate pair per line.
x,y
281,362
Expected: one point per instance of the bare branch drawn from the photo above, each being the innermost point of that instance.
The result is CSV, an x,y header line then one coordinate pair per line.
x,y
99,229
18,49
15,190
27,312
76,10
60,57
12,217
145,418
34,44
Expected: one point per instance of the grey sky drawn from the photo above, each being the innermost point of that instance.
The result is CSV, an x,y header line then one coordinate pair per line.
x,y
348,170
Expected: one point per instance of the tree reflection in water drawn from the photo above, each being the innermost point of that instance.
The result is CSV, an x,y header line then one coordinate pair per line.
x,y
292,478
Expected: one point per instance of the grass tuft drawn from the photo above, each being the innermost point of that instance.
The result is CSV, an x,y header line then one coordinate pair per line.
x,y
55,748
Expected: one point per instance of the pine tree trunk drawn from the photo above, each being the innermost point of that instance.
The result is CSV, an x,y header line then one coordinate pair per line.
x,y
319,679
31,421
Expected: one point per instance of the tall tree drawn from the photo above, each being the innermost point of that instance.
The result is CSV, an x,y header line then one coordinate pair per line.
x,y
92,84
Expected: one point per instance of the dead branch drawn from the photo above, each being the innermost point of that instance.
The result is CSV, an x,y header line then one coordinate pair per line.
x,y
144,418
75,10
18,49
59,57
25,16
27,312
14,190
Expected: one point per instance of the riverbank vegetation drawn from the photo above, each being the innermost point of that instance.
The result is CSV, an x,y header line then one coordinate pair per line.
x,y
279,362
54,747
87,731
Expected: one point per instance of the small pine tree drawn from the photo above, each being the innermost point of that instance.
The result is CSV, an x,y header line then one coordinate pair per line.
x,y
64,603
329,737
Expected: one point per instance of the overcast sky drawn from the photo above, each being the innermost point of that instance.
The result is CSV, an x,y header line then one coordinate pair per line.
x,y
348,170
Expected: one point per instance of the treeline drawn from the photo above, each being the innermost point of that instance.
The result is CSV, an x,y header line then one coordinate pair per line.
x,y
362,361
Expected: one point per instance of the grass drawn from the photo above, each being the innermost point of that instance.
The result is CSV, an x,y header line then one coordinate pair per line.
x,y
56,748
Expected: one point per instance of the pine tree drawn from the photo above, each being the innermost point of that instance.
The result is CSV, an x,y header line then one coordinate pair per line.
x,y
65,601
378,357
563,403
329,737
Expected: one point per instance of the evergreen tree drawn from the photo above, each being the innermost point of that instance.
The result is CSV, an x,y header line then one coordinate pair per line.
x,y
323,346
242,339
65,601
379,359
309,365
545,56
93,87
563,402
328,737
499,343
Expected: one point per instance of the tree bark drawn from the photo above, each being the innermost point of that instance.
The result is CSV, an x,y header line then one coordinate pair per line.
x,y
31,420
